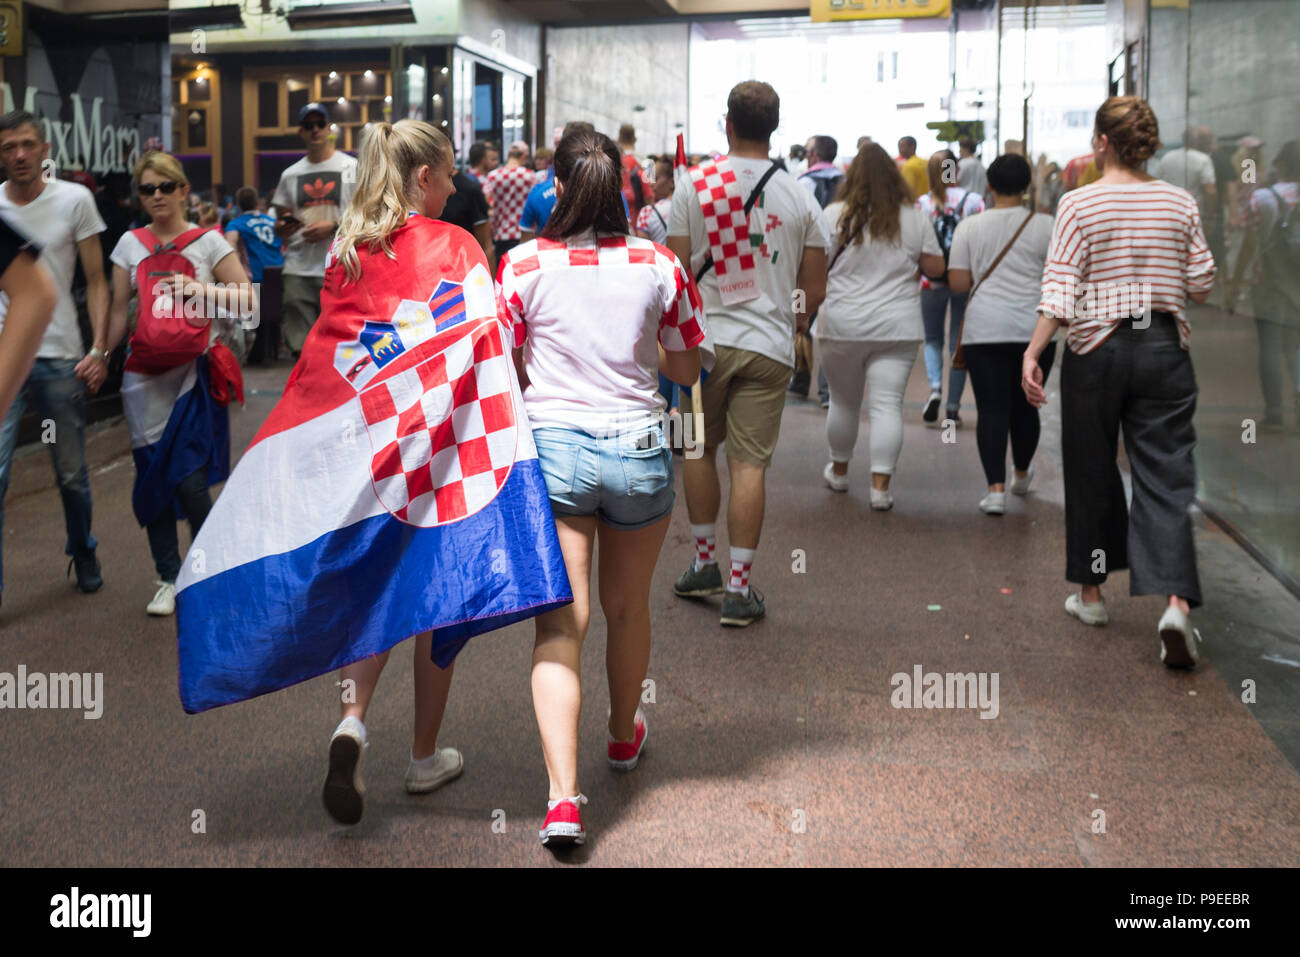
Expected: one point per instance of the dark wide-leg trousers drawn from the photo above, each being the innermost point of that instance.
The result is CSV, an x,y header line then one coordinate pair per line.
x,y
1140,380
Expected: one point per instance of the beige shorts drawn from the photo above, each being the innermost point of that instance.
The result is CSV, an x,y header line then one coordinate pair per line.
x,y
744,397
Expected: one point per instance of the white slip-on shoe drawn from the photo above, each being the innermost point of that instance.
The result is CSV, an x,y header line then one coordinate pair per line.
x,y
344,792
427,775
836,483
881,501
931,411
1088,612
164,600
994,503
1177,643
1020,486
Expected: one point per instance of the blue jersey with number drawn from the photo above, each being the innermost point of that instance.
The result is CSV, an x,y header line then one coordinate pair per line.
x,y
257,233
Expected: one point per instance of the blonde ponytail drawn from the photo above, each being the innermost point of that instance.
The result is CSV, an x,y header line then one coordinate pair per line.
x,y
390,155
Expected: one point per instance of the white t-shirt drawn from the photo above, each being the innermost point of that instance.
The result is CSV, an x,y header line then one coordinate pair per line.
x,y
1188,169
1006,307
316,192
971,175
787,218
591,315
60,217
872,293
205,252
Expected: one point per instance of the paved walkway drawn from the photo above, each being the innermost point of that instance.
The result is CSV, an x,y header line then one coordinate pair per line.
x,y
775,744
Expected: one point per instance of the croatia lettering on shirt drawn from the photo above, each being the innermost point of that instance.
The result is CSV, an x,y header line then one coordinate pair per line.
x,y
1121,251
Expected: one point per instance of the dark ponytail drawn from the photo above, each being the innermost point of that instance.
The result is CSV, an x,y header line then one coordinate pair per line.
x,y
590,167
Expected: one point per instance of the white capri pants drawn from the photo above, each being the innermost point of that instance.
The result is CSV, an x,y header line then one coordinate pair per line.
x,y
880,367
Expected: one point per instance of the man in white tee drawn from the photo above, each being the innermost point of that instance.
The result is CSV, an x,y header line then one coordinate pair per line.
x,y
308,203
1191,168
744,393
62,218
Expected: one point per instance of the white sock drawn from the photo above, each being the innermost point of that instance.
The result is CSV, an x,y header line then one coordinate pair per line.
x,y
425,763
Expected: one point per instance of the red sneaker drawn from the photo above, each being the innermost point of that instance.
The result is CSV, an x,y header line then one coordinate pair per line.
x,y
623,755
563,824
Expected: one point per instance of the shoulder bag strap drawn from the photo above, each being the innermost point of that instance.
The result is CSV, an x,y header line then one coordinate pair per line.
x,y
749,206
959,357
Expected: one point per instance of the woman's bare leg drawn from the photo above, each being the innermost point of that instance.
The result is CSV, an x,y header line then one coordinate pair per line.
x,y
557,658
431,686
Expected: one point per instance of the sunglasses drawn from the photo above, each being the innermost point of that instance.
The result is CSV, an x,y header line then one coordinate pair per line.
x,y
314,125
167,188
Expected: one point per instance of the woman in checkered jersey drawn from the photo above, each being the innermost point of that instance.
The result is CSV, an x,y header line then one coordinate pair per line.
x,y
597,315
405,169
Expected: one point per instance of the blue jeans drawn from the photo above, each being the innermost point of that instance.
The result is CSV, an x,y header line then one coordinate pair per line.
x,y
59,399
195,502
934,303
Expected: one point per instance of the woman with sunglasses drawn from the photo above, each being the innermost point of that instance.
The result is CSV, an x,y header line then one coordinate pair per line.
x,y
180,434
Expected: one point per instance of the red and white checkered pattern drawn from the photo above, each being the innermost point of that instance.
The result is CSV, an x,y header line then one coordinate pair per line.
x,y
725,224
739,575
681,326
705,549
507,188
444,431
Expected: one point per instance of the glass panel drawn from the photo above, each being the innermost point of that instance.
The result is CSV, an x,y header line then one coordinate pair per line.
x,y
268,104
199,89
331,85
1229,121
297,100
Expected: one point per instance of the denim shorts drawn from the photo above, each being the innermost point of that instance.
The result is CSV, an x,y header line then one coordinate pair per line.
x,y
626,481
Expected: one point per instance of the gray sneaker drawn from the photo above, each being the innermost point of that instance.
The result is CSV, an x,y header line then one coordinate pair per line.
x,y
739,610
695,583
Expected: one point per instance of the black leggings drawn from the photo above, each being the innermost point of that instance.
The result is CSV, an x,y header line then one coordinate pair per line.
x,y
1001,405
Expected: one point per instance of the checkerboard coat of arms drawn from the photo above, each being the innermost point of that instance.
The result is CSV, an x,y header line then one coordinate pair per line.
x,y
434,386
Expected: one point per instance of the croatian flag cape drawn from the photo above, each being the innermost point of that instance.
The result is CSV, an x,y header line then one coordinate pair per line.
x,y
394,489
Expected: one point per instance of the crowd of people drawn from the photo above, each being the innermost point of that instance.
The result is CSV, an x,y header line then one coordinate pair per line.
x,y
623,280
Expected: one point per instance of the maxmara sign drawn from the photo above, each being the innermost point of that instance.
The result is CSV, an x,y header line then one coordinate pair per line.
x,y
86,140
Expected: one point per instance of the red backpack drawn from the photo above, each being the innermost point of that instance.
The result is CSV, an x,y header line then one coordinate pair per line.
x,y
163,337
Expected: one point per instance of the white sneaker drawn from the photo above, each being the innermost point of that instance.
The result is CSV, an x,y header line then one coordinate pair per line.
x,y
931,411
445,764
1177,644
1020,486
1088,612
836,483
344,793
164,600
994,503
881,501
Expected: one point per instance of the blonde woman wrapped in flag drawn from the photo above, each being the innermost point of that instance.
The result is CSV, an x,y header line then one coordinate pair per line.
x,y
393,492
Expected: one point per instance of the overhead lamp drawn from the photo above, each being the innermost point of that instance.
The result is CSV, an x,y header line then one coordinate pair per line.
x,y
326,15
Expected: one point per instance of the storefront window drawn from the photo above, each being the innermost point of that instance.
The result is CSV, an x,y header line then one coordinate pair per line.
x,y
1230,127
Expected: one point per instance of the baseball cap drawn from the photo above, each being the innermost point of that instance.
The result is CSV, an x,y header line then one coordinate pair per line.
x,y
311,108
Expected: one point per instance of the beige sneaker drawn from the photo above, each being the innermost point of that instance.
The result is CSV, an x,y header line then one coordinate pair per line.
x,y
164,600
428,775
1088,612
1177,643
344,793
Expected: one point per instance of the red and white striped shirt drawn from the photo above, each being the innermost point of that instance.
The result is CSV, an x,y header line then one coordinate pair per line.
x,y
592,311
1120,249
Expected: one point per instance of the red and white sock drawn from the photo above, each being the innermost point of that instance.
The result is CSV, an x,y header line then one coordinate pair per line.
x,y
741,560
706,545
